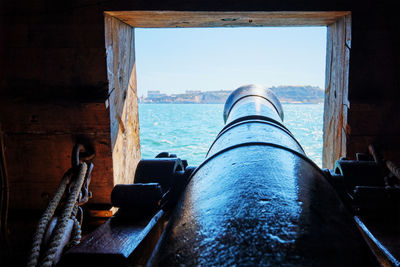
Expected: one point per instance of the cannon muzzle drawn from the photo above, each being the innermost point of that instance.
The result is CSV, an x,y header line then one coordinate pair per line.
x,y
258,200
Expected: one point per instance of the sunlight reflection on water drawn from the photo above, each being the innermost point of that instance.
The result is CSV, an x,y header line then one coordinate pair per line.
x,y
189,129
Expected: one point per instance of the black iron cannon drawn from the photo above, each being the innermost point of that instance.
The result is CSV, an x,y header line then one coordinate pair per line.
x,y
257,199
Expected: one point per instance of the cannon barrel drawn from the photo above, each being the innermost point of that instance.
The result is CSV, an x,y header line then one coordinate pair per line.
x,y
257,199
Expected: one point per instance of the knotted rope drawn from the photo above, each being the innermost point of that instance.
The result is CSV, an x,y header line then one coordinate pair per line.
x,y
68,212
45,220
65,216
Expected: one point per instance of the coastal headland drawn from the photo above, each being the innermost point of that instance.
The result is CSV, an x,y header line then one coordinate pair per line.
x,y
286,94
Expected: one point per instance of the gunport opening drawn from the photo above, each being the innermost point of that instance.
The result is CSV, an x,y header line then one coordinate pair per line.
x,y
170,54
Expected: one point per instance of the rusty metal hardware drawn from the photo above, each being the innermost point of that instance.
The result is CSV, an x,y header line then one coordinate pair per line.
x,y
85,194
82,153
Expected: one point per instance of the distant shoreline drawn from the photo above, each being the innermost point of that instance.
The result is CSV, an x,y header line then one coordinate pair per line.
x,y
285,93
169,103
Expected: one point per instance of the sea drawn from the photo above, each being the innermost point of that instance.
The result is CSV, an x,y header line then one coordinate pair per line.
x,y
188,130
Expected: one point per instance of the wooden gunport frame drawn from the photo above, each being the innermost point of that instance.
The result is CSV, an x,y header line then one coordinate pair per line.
x,y
120,47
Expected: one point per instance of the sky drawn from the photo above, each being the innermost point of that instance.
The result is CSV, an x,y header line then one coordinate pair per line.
x,y
173,60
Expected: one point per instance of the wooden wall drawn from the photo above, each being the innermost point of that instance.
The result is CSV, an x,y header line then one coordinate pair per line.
x,y
39,145
54,61
53,92
67,72
374,82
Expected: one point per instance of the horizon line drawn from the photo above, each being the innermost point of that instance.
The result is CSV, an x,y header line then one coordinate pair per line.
x,y
227,90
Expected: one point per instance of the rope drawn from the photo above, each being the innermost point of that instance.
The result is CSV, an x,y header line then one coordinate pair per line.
x,y
393,168
4,193
77,231
65,216
45,219
375,154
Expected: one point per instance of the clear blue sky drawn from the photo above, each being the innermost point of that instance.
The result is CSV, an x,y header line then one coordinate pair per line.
x,y
175,60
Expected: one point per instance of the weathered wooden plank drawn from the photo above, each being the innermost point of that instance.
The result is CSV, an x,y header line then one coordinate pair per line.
x,y
123,105
36,163
52,118
53,55
118,242
373,124
39,141
166,19
374,119
382,237
336,94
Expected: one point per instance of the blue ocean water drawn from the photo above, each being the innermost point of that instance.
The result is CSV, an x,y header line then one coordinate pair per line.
x,y
188,130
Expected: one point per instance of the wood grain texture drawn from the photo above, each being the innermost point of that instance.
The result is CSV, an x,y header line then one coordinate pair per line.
x,y
336,92
39,141
118,242
124,119
173,19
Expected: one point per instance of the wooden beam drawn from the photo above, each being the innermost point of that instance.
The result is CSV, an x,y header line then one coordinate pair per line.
x,y
336,91
173,19
124,118
118,242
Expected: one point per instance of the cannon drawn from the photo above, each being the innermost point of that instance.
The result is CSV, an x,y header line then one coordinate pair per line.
x,y
258,200
255,200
